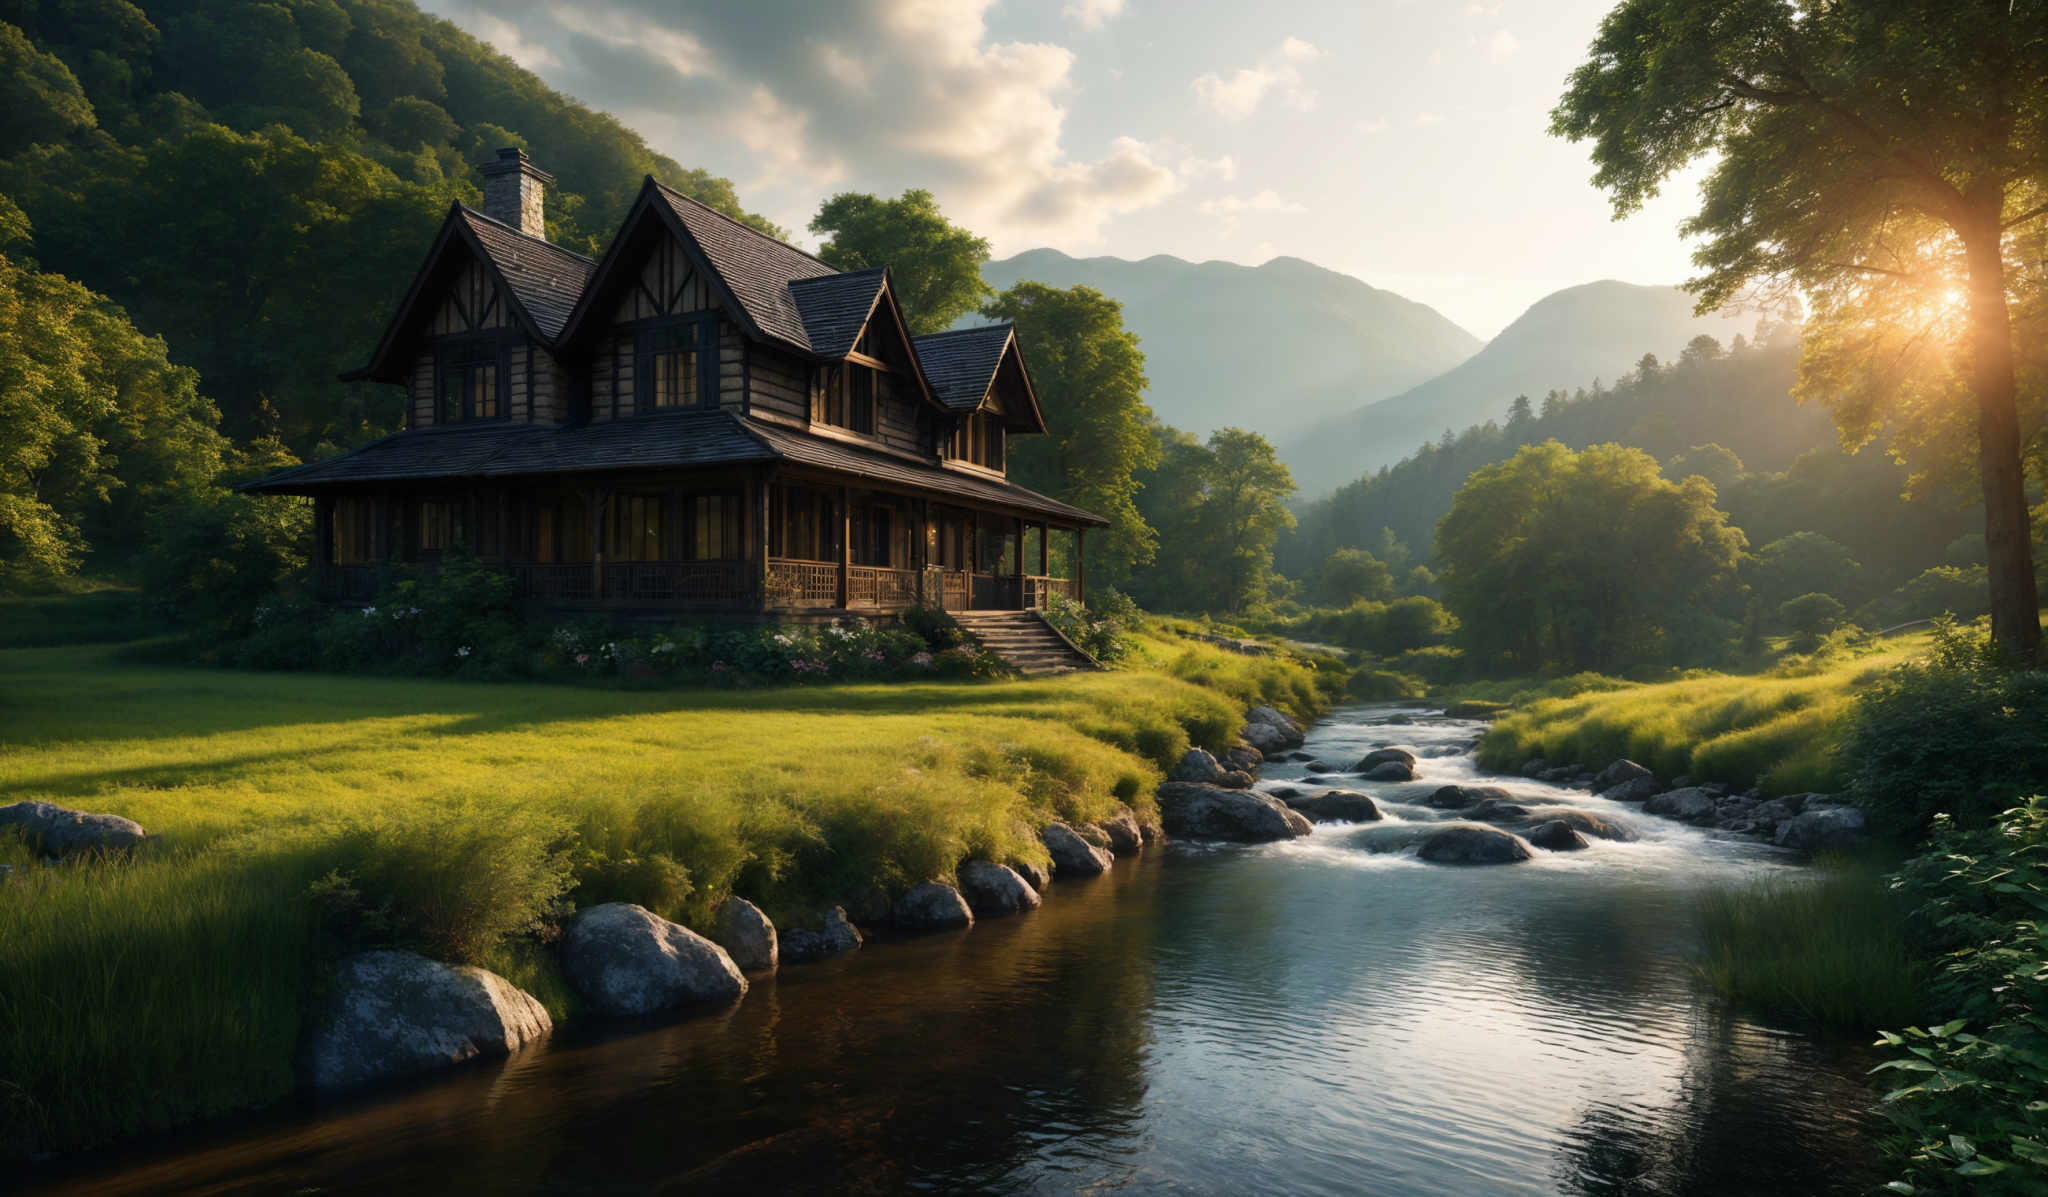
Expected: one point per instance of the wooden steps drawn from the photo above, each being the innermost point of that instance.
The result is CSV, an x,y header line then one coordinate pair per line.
x,y
1026,641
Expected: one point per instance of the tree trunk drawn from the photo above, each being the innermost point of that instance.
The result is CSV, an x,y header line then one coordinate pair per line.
x,y
2008,543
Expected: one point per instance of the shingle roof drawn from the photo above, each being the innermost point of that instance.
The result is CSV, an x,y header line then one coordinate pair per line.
x,y
546,278
835,307
756,267
689,437
962,362
841,457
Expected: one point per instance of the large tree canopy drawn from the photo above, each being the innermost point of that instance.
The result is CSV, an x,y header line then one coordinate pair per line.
x,y
934,264
1090,379
1865,153
1589,560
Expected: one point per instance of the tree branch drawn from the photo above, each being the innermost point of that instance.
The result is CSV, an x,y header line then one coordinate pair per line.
x,y
2026,216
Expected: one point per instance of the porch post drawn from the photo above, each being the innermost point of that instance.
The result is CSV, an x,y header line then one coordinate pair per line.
x,y
845,543
1044,550
594,498
757,538
1017,522
1081,564
323,534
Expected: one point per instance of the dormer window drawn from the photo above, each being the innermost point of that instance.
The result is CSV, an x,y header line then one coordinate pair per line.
x,y
843,396
675,364
468,380
978,439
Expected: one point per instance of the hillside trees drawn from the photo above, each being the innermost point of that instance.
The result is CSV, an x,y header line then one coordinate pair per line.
x,y
1218,505
1880,156
1090,378
99,432
1584,560
934,264
256,182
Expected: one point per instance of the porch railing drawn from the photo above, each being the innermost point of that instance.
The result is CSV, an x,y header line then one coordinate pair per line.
x,y
793,583
695,583
1039,589
569,583
881,587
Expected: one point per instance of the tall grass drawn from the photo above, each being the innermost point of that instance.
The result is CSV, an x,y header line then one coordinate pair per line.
x,y
1780,731
1830,947
298,815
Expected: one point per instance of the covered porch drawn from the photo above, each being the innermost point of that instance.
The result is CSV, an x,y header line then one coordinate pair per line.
x,y
770,542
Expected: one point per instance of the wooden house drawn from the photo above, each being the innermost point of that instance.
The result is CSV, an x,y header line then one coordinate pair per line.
x,y
705,419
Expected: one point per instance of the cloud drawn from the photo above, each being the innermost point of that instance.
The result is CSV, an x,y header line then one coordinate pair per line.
x,y
1092,14
1377,124
1266,200
1502,46
1239,94
878,95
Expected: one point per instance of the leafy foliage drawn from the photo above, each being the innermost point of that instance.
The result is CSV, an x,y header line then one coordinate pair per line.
x,y
1090,379
1954,734
1586,560
934,264
1219,507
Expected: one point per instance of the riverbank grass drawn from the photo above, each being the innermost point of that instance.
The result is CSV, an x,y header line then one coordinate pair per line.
x,y
1829,947
1778,730
295,816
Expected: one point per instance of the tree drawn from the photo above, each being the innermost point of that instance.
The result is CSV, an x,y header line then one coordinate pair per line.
x,y
1349,575
98,430
1243,513
1090,378
1811,616
1805,563
934,264
1589,560
1718,464
1519,413
1866,152
39,93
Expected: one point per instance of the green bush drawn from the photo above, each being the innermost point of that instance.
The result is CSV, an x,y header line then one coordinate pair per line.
x,y
1383,685
1971,1112
1955,732
1101,630
1961,591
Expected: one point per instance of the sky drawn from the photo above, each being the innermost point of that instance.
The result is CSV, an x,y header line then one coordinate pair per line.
x,y
1400,141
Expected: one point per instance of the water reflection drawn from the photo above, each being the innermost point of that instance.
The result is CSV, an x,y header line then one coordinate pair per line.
x,y
1303,1018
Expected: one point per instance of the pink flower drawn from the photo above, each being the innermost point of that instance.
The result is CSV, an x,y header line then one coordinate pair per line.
x,y
583,658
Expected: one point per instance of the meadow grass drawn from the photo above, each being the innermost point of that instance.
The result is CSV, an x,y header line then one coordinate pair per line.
x,y
1778,730
1831,948
172,986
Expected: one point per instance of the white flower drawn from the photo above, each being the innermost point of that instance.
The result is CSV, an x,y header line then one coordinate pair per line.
x,y
369,610
463,651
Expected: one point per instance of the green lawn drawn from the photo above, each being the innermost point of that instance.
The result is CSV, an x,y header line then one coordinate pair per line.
x,y
1778,729
168,987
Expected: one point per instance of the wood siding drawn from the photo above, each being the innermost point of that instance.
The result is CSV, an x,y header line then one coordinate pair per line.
x,y
668,286
780,384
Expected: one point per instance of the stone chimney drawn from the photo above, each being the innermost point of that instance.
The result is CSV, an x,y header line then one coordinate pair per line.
x,y
513,191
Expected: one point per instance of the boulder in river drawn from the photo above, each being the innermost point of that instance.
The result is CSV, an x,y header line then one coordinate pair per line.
x,y
1555,836
626,960
59,831
746,935
993,890
1690,805
1268,739
1337,806
1125,836
932,906
1472,845
1200,812
1389,771
1271,717
393,1014
1381,756
1321,767
834,935
1617,773
1639,789
1460,797
1493,810
1036,875
1244,759
1533,767
1822,829
1197,765
1073,856
1587,823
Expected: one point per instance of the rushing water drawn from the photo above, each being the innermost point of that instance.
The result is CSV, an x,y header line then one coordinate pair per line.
x,y
1312,1017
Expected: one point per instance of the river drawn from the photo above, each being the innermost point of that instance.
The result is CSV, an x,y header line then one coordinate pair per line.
x,y
1303,1018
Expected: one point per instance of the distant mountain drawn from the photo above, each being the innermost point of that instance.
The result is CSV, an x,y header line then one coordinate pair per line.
x,y
1274,348
1566,340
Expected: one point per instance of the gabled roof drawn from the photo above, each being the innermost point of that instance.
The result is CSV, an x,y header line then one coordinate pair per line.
x,y
757,268
963,363
835,308
540,280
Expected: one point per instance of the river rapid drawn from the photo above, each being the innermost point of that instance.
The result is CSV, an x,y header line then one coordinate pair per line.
x,y
1304,1018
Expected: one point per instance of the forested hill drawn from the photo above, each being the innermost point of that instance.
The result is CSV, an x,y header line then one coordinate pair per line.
x,y
1273,348
1722,413
257,181
1566,339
